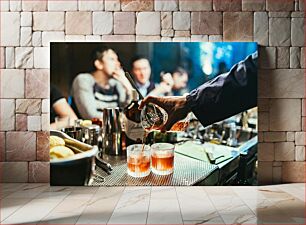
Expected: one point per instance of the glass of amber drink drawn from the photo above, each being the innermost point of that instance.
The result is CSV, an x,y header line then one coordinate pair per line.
x,y
138,160
162,158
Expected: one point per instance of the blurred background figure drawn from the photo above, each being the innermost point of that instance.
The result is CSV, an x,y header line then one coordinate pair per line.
x,y
141,72
105,87
222,68
180,81
59,108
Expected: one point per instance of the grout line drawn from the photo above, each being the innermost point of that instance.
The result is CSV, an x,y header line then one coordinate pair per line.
x,y
177,198
116,205
149,205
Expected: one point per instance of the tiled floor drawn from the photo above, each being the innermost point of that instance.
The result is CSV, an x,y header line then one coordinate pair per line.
x,y
42,204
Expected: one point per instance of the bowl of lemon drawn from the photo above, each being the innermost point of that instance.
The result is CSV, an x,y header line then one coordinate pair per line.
x,y
71,162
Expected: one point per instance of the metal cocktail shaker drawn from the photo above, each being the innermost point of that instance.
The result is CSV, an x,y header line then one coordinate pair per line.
x,y
111,131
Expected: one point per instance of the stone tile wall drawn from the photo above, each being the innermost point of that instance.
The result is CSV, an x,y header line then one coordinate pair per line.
x,y
28,26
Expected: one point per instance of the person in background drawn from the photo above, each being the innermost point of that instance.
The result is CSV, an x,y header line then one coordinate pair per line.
x,y
224,96
180,80
59,107
141,72
105,87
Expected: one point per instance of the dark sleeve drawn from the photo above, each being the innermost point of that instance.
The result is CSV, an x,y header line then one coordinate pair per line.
x,y
55,94
227,94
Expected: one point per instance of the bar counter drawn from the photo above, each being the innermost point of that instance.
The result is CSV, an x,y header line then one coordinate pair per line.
x,y
187,171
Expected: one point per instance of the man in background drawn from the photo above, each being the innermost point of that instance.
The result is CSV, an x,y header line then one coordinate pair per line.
x,y
180,80
141,72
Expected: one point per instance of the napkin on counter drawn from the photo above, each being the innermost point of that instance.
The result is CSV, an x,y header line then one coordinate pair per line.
x,y
198,151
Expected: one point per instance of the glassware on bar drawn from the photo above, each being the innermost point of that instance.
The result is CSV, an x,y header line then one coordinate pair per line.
x,y
153,117
138,160
162,158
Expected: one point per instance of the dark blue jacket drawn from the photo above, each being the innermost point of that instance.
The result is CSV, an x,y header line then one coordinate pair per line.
x,y
227,94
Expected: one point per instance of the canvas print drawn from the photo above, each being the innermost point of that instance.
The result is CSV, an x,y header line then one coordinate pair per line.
x,y
153,114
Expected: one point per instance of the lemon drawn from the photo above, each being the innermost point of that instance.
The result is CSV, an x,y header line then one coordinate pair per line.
x,y
59,152
56,141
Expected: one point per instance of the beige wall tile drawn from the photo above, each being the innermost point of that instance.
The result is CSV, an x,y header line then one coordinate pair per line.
x,y
2,146
48,21
34,5
166,20
138,5
14,172
279,32
12,83
25,36
15,5
142,27
52,36
197,5
37,83
43,146
21,146
253,5
78,23
267,58
2,57
300,138
199,38
91,5
112,5
58,5
21,122
39,172
5,5
26,19
238,26
34,123
45,121
300,153
215,38
24,57
281,83
28,106
229,5
287,5
169,5
261,28
266,152
41,57
297,32
293,172
7,114
105,18
263,104
75,38
295,57
263,121
167,33
286,115
146,38
284,151
119,38
181,20
37,39
290,136
206,23
274,136
264,173
124,22
283,57
10,28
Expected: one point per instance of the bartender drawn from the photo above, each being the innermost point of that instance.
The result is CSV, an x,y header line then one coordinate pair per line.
x,y
215,100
